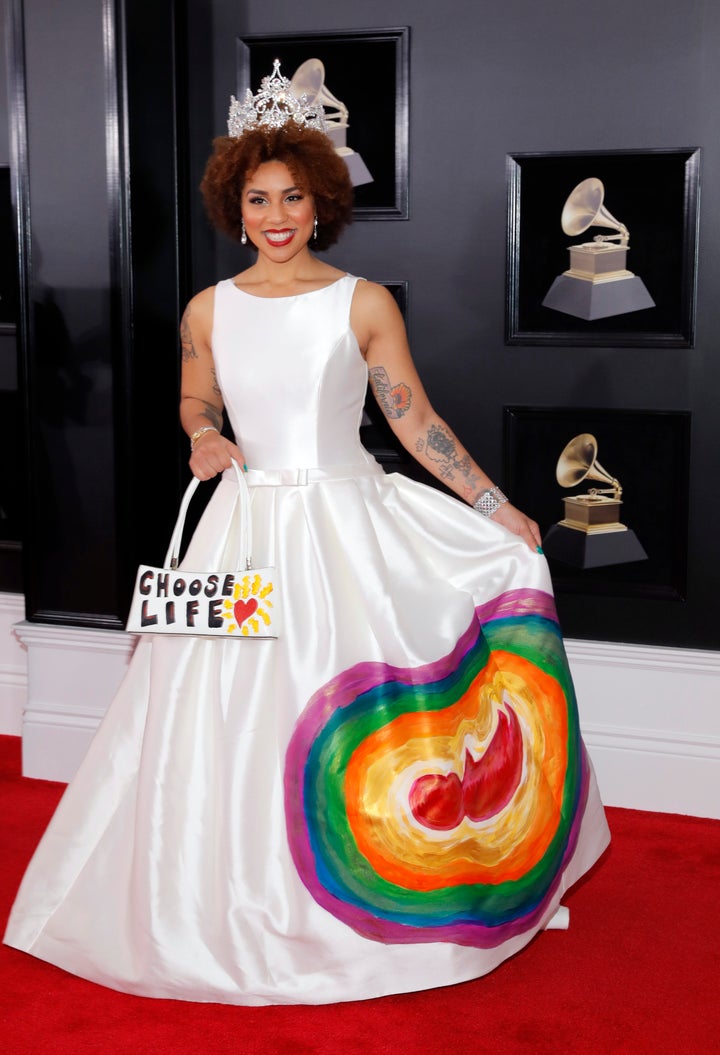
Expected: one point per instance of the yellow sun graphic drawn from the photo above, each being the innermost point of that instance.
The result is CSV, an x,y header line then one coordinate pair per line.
x,y
247,611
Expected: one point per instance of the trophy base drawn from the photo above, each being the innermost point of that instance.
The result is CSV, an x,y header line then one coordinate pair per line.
x,y
592,513
590,300
359,172
574,546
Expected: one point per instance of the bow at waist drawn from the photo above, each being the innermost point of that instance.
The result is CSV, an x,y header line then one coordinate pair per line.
x,y
302,477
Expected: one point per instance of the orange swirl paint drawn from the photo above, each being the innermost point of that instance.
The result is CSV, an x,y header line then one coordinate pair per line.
x,y
502,848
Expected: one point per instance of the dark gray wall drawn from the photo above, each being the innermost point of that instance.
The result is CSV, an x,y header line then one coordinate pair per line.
x,y
4,134
490,79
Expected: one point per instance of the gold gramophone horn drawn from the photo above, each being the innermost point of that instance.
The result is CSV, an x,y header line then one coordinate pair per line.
x,y
578,462
584,208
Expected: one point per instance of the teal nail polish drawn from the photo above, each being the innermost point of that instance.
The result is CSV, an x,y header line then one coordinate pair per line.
x,y
538,549
244,468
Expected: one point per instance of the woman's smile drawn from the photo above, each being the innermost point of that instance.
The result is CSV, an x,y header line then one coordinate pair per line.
x,y
280,237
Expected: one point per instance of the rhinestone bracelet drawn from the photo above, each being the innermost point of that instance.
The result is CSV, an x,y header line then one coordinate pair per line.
x,y
489,501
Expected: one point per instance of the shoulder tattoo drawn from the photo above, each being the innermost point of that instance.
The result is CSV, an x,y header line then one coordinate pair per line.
x,y
215,385
186,341
394,400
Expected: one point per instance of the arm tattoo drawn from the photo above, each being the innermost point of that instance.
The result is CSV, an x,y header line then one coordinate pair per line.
x,y
441,447
213,415
394,400
216,386
188,348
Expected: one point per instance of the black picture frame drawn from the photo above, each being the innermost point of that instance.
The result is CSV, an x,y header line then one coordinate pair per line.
x,y
378,104
648,451
11,486
655,193
8,257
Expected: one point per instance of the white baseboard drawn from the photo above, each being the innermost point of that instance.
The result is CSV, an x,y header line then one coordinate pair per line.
x,y
73,675
651,721
650,716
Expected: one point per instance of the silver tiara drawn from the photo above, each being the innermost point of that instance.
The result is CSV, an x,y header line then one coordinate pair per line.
x,y
273,107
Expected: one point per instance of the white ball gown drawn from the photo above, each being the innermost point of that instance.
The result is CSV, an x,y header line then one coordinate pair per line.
x,y
391,796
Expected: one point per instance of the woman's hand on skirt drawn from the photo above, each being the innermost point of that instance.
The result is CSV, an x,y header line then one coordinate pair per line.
x,y
213,454
519,524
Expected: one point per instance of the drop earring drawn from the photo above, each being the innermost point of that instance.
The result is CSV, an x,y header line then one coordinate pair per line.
x,y
243,236
315,229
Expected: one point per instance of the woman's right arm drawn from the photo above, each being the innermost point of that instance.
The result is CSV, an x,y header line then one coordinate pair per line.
x,y
201,405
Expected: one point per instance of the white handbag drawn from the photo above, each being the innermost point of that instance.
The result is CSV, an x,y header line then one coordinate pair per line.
x,y
241,604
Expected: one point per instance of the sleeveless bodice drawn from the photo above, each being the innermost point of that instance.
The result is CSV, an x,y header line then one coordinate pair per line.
x,y
292,376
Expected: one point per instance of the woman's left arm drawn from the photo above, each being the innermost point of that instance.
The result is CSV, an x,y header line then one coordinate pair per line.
x,y
380,330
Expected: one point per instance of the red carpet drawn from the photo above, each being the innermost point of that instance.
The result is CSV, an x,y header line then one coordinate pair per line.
x,y
638,972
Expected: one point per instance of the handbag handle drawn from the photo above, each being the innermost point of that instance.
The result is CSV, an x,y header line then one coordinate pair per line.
x,y
172,556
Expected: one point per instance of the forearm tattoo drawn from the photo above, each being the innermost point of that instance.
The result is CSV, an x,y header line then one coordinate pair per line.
x,y
394,400
186,341
441,447
213,415
216,386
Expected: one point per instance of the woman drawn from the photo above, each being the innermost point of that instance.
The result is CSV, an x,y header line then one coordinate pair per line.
x,y
392,795
279,218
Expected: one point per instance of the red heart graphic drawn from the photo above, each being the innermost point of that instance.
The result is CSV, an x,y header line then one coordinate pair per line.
x,y
490,783
436,800
440,801
244,609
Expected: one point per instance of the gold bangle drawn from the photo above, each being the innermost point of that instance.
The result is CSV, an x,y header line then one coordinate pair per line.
x,y
200,432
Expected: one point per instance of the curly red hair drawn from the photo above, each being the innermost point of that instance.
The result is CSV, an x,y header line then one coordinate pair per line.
x,y
310,157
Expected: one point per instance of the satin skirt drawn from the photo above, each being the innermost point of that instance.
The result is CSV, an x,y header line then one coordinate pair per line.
x,y
391,796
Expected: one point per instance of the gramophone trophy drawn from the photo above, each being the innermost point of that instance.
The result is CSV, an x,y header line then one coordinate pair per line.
x,y
309,80
590,535
597,284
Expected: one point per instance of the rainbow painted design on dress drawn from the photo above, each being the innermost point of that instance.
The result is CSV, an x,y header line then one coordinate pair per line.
x,y
442,803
